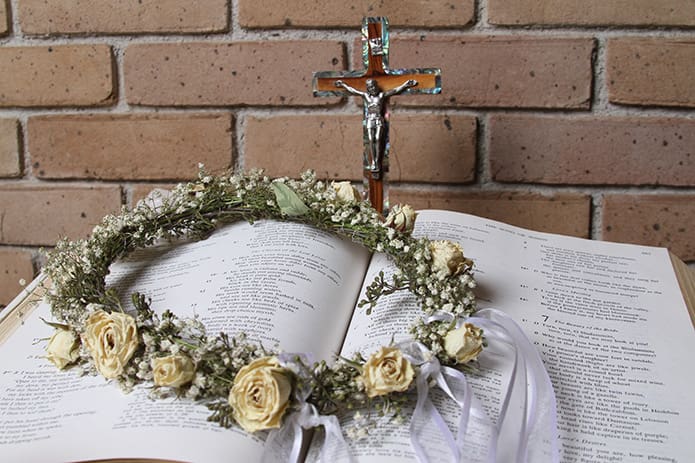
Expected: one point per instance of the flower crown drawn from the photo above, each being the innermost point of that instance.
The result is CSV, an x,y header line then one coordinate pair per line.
x,y
240,381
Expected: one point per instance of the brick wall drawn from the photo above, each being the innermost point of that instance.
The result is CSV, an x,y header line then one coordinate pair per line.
x,y
558,115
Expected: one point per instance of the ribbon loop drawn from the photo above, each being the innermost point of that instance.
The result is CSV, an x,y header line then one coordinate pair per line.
x,y
472,436
285,444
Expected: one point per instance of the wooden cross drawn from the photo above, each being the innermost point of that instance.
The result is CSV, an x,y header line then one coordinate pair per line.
x,y
375,84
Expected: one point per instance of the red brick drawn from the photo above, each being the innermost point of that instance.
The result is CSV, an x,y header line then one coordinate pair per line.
x,y
15,264
275,73
427,148
654,220
140,191
9,148
592,12
338,13
41,214
4,19
122,17
57,75
330,145
592,150
567,214
130,146
635,66
530,72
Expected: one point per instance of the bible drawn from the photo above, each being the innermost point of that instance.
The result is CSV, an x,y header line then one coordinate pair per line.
x,y
612,322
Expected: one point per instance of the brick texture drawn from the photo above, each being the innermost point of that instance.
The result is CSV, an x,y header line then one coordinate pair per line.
x,y
338,13
41,214
9,148
15,264
529,72
635,65
592,12
58,75
568,214
131,146
597,150
124,16
656,220
548,107
240,73
427,148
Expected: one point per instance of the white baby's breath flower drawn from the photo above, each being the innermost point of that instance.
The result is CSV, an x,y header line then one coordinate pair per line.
x,y
192,392
397,244
200,380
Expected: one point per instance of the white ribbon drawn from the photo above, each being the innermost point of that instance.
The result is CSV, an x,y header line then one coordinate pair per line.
x,y
478,439
537,440
285,443
535,432
290,437
473,422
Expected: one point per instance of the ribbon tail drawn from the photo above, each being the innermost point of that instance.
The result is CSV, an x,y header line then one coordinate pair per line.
x,y
425,446
477,435
530,384
285,443
334,445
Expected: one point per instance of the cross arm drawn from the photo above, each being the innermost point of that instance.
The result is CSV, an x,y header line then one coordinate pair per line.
x,y
428,81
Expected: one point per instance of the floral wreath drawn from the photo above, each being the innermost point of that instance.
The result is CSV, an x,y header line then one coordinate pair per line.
x,y
240,381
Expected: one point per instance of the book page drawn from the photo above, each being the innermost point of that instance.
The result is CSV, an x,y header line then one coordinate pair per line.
x,y
608,320
279,282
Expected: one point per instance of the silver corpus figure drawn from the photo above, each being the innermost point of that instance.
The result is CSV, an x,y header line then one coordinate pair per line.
x,y
374,107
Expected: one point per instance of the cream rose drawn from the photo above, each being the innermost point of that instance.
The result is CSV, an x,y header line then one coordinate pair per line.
x,y
401,218
387,371
260,395
63,348
346,192
173,370
447,257
112,339
464,343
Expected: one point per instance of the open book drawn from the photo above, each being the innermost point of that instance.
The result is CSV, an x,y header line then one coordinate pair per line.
x,y
610,321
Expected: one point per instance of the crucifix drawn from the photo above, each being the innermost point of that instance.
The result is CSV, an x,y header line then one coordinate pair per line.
x,y
375,84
